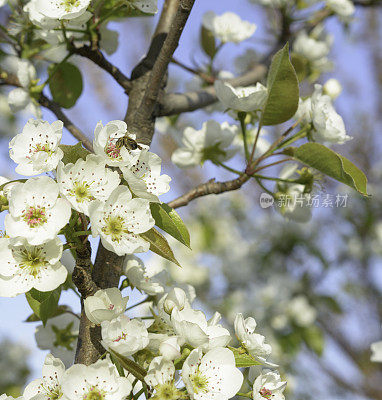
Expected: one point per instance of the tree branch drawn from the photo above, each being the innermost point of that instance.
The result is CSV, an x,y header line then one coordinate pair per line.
x,y
369,3
210,187
98,58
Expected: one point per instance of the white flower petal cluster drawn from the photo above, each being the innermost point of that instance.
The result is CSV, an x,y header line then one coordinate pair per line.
x,y
85,181
269,385
376,350
49,386
124,336
139,277
248,99
253,342
19,98
35,211
343,8
228,27
120,220
301,311
96,381
161,371
213,142
144,177
213,375
146,6
59,10
24,266
105,144
332,88
59,335
35,149
311,48
105,305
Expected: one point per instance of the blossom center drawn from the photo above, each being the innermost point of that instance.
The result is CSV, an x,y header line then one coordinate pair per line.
x,y
44,147
35,216
94,394
53,392
199,382
112,150
167,391
266,393
114,227
30,260
69,4
81,191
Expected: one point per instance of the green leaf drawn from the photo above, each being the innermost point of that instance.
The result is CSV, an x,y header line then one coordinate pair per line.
x,y
331,164
129,365
65,83
283,91
159,245
43,304
207,41
60,310
73,153
314,339
243,359
330,303
167,219
300,65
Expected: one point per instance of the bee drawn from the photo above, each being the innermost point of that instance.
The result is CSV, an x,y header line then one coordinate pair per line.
x,y
129,143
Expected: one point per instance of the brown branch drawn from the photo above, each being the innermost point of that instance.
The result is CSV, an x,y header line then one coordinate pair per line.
x,y
177,103
98,58
11,80
210,187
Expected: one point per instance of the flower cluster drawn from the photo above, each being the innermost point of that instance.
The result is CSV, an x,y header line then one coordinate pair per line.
x,y
86,191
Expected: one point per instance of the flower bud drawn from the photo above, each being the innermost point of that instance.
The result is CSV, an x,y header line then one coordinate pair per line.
x,y
332,88
175,298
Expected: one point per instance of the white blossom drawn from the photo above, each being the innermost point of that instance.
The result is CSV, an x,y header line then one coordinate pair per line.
x,y
25,266
213,142
105,144
169,348
228,27
105,305
120,221
376,349
35,149
253,342
58,9
161,371
139,277
343,8
311,48
175,298
332,88
194,329
301,311
49,386
59,335
85,181
146,6
96,381
35,211
19,98
144,177
124,336
268,385
211,376
250,98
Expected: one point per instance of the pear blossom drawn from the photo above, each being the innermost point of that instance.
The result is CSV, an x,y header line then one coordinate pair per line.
x,y
311,48
376,349
105,305
268,385
57,9
49,386
144,178
85,181
213,375
304,111
105,144
96,381
332,88
59,335
301,311
328,125
146,6
37,18
194,329
139,277
228,27
19,98
120,221
248,99
124,336
35,211
35,149
343,8
175,298
25,266
213,142
253,342
169,348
